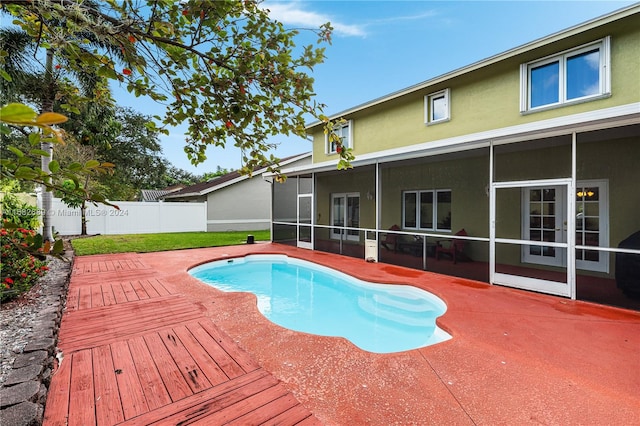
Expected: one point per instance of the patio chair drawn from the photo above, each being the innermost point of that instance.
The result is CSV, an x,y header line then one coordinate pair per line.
x,y
390,241
453,248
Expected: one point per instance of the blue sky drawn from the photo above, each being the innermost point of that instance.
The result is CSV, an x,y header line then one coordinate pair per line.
x,y
379,47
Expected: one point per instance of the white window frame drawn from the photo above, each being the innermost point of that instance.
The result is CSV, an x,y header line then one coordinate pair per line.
x,y
428,107
602,265
604,47
330,148
348,234
434,213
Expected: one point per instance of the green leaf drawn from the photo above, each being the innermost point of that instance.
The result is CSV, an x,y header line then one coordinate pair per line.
x,y
34,138
37,241
16,151
91,164
39,152
17,114
54,166
5,75
58,248
75,167
26,173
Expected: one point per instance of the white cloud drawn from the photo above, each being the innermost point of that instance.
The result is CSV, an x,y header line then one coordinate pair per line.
x,y
294,14
427,14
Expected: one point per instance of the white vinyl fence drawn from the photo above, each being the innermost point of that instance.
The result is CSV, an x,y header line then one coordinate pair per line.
x,y
133,218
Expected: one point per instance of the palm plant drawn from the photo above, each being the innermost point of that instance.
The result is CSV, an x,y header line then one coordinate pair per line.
x,y
28,79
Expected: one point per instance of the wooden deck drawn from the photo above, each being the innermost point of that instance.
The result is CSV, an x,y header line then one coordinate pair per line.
x,y
138,353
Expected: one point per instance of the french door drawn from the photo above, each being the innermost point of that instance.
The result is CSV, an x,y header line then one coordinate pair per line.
x,y
544,219
530,238
345,212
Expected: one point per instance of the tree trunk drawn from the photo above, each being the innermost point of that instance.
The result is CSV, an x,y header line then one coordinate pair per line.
x,y
83,218
47,106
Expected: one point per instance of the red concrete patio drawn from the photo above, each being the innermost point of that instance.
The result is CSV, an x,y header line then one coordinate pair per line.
x,y
144,342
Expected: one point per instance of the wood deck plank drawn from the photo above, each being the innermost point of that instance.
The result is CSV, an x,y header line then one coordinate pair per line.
x,y
125,324
140,290
208,399
267,413
154,390
73,297
107,294
296,415
96,296
254,396
173,379
225,361
124,314
82,405
130,292
84,301
107,397
207,364
149,289
128,382
192,373
118,293
310,421
242,358
57,408
97,337
159,286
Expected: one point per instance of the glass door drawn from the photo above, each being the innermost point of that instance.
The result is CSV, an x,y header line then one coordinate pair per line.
x,y
544,220
304,221
530,238
305,212
345,212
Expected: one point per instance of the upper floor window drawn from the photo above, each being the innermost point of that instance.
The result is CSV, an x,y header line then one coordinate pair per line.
x,y
436,107
568,77
344,132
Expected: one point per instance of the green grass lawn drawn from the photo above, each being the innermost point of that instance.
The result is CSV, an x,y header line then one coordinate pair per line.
x,y
145,243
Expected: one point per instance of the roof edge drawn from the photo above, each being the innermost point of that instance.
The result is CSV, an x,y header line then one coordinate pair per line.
x,y
548,39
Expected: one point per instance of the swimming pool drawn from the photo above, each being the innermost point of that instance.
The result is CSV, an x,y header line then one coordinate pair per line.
x,y
311,298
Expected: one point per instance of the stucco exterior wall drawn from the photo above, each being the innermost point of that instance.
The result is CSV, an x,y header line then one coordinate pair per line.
x,y
488,98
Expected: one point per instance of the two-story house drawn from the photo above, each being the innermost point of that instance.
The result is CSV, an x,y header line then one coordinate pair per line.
x,y
522,170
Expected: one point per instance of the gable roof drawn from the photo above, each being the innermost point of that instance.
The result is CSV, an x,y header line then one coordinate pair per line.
x,y
152,194
203,188
156,194
576,29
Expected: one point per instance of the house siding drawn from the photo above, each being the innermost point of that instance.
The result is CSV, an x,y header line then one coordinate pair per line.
x,y
489,98
245,206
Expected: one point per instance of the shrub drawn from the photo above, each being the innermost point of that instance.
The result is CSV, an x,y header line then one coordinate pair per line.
x,y
19,270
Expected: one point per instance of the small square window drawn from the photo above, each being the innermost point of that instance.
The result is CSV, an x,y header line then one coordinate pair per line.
x,y
344,132
436,107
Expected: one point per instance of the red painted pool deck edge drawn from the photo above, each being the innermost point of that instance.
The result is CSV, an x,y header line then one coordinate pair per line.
x,y
516,357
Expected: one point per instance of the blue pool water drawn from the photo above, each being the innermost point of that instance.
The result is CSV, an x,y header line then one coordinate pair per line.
x,y
304,296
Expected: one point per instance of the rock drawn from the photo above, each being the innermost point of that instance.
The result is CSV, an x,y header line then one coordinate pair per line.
x,y
37,357
24,374
23,414
22,392
44,343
